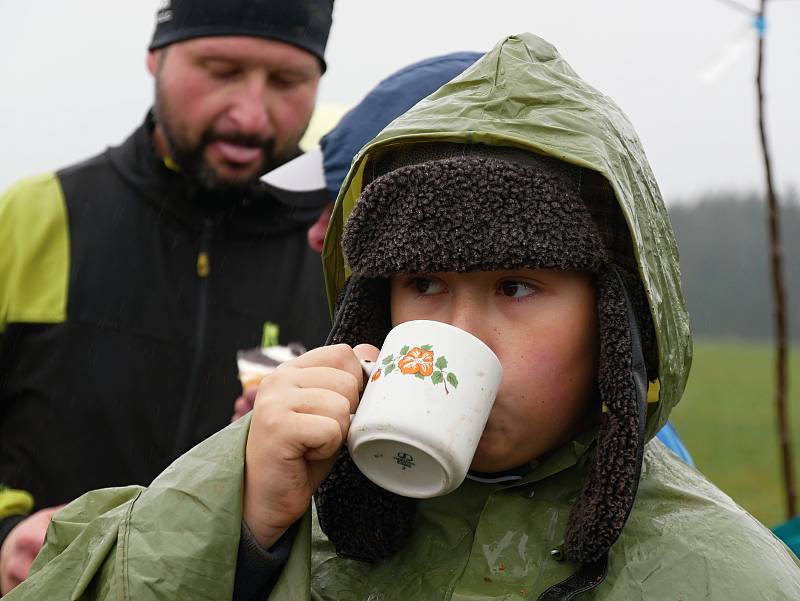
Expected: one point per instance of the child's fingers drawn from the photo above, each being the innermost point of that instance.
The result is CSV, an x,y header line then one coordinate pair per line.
x,y
338,356
278,386
335,380
366,351
320,436
323,403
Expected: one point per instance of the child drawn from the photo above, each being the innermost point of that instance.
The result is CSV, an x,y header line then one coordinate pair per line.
x,y
517,204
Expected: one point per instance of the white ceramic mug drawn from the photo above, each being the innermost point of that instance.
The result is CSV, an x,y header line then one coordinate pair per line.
x,y
424,409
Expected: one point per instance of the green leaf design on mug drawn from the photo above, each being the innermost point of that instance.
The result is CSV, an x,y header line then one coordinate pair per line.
x,y
388,360
451,378
441,362
389,369
427,347
419,375
404,350
437,377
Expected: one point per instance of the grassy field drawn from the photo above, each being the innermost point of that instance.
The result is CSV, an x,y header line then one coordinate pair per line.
x,y
727,420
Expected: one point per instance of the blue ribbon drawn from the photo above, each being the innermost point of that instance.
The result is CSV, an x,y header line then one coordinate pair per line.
x,y
760,23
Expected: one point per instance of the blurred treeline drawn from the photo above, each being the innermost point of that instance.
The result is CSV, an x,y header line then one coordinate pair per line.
x,y
725,267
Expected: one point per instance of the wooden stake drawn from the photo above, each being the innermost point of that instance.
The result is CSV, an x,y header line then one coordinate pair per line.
x,y
776,255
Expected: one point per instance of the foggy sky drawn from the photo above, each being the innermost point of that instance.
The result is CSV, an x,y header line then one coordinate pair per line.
x,y
73,77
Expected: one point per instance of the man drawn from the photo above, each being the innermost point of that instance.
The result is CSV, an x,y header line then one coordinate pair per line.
x,y
319,173
134,277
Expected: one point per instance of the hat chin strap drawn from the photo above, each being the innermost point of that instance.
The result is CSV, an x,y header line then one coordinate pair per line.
x,y
606,498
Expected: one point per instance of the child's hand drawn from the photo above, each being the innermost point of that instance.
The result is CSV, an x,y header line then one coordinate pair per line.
x,y
299,423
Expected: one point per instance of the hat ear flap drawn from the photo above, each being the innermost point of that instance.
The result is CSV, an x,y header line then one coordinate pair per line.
x,y
362,313
362,520
606,499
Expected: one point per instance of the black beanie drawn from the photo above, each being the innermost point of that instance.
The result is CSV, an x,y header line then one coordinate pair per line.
x,y
302,23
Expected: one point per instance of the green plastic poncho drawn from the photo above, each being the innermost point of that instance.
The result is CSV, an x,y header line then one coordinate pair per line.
x,y
684,539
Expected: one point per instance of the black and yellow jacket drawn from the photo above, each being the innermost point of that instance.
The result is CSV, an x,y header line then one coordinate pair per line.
x,y
124,296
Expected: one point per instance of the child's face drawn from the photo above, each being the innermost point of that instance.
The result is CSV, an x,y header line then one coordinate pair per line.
x,y
542,325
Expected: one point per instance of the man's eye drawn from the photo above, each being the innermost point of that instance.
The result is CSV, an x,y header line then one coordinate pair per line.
x,y
284,81
226,74
427,285
516,289
222,70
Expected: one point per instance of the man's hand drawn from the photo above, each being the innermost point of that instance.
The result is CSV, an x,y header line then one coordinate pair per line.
x,y
244,403
316,233
21,547
299,423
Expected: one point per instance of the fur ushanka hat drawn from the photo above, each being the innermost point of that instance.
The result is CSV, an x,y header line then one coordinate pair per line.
x,y
470,207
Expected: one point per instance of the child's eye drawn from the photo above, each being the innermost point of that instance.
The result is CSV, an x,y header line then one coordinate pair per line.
x,y
425,285
516,288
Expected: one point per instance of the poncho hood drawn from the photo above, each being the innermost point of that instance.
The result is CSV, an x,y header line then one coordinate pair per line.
x,y
523,94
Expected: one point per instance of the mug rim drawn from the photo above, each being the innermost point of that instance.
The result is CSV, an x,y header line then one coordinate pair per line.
x,y
457,331
451,470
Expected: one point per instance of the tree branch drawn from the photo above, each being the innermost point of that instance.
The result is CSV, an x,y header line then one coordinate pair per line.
x,y
776,256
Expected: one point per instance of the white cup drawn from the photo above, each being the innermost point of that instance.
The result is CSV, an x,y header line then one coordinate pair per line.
x,y
424,409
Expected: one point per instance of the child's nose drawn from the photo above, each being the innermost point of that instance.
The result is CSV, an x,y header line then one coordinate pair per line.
x,y
473,320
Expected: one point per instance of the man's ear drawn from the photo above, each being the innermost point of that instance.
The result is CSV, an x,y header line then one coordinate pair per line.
x,y
152,61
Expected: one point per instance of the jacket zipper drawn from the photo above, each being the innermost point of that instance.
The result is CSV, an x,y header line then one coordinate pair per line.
x,y
188,413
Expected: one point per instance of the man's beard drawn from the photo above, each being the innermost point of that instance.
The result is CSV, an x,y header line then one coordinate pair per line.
x,y
194,166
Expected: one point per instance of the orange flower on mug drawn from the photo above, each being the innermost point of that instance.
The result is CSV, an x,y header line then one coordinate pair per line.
x,y
418,361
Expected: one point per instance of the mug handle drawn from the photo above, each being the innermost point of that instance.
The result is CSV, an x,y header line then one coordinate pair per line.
x,y
368,367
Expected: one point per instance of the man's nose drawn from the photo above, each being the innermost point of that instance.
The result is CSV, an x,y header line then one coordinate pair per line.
x,y
250,110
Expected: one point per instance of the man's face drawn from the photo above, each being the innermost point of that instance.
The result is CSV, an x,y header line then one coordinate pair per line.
x,y
229,109
542,325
